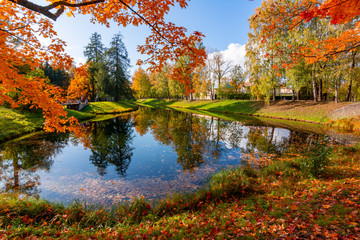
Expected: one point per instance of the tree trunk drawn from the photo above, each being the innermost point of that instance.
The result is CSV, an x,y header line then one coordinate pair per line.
x,y
349,91
314,85
293,95
336,92
353,64
274,94
298,95
320,90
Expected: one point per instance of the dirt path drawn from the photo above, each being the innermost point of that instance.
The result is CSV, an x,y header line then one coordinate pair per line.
x,y
346,112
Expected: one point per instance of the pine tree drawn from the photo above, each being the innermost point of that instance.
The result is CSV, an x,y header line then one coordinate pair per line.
x,y
94,52
119,63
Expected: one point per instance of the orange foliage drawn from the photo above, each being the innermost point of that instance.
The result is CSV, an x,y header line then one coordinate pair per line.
x,y
282,17
80,85
18,47
23,22
340,11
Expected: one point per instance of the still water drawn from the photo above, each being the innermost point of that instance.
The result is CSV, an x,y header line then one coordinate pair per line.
x,y
149,152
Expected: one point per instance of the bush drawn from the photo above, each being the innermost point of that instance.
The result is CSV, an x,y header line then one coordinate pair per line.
x,y
316,158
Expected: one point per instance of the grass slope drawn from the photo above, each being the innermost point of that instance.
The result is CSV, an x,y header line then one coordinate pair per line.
x,y
300,110
278,201
14,122
109,107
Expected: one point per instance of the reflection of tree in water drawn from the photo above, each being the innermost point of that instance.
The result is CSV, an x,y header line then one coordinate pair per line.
x,y
194,139
20,160
111,142
264,140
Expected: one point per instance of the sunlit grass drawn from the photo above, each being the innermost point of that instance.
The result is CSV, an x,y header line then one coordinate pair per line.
x,y
15,122
109,107
80,115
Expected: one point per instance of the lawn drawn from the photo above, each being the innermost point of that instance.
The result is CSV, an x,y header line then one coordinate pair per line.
x,y
109,107
15,122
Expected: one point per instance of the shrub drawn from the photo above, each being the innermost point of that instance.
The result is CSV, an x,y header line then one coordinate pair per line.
x,y
316,158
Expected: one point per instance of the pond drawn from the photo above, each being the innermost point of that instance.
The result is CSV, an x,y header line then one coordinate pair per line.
x,y
150,152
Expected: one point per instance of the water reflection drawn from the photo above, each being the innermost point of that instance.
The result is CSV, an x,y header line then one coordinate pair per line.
x,y
150,152
21,160
191,137
111,144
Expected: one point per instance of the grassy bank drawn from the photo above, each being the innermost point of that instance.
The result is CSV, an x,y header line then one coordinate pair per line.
x,y
307,111
15,122
109,107
290,198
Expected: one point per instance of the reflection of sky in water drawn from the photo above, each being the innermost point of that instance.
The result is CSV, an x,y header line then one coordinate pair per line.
x,y
154,170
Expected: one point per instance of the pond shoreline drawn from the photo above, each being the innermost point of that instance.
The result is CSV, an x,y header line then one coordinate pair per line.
x,y
277,200
16,123
299,111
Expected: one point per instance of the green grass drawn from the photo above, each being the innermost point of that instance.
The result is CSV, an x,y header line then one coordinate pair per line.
x,y
15,122
109,107
81,116
301,110
276,201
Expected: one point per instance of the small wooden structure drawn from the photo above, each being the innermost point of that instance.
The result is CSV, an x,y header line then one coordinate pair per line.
x,y
77,105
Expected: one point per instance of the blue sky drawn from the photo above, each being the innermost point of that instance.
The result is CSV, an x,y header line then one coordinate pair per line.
x,y
224,24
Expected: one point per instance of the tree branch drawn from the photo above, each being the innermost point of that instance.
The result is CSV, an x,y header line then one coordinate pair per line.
x,y
46,10
147,22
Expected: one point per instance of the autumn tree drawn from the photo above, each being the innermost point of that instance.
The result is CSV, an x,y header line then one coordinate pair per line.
x,y
22,22
80,84
160,82
321,33
202,81
141,84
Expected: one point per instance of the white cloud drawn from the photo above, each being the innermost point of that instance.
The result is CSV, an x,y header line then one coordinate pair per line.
x,y
235,53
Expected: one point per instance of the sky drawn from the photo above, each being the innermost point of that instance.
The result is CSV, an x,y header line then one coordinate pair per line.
x,y
224,24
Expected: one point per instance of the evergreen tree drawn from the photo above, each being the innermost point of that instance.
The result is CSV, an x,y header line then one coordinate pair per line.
x,y
94,52
58,77
119,63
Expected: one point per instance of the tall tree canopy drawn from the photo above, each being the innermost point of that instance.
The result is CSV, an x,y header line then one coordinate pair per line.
x,y
309,38
22,22
119,64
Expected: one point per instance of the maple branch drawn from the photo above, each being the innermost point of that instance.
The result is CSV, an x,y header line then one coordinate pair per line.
x,y
67,4
14,29
147,22
45,10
